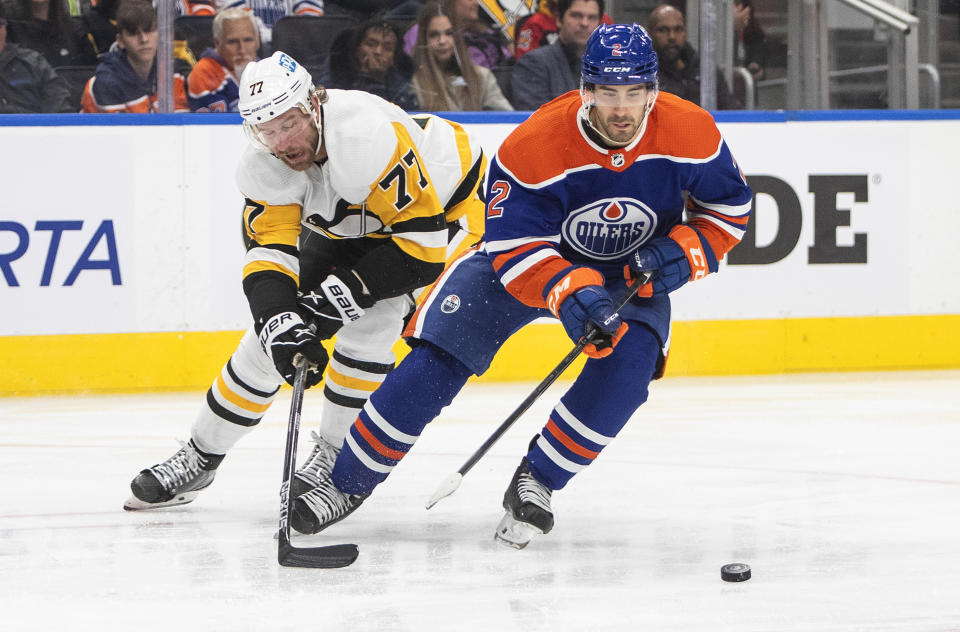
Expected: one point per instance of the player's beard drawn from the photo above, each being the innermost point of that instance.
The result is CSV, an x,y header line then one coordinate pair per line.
x,y
619,128
298,159
301,156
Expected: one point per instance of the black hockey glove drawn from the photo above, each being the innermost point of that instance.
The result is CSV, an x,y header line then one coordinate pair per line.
x,y
283,336
340,299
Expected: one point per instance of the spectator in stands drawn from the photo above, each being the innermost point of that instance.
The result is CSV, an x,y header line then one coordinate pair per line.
x,y
751,51
487,46
446,79
46,27
540,29
28,83
369,58
213,84
549,71
269,11
679,64
126,78
101,22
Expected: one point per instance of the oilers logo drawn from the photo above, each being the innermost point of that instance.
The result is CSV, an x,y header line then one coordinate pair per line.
x,y
610,228
450,304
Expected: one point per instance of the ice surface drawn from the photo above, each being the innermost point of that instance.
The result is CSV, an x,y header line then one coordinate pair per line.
x,y
842,491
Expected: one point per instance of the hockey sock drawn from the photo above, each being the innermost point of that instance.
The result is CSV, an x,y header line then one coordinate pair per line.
x,y
348,384
391,421
233,406
591,413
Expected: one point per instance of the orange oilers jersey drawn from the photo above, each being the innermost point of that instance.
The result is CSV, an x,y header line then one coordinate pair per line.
x,y
387,176
557,199
211,87
116,87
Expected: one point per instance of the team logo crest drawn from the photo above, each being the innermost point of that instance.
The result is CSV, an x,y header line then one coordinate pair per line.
x,y
450,304
610,228
349,220
616,160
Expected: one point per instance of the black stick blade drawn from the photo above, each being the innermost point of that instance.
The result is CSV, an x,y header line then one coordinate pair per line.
x,y
334,556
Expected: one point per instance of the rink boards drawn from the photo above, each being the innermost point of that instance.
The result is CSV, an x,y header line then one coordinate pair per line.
x,y
120,251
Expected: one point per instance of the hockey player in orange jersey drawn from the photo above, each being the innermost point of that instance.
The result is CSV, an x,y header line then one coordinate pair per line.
x,y
612,180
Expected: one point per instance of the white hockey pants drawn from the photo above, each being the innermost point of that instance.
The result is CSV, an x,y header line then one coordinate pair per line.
x,y
249,382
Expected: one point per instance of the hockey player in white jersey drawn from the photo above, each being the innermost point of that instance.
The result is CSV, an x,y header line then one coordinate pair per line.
x,y
351,206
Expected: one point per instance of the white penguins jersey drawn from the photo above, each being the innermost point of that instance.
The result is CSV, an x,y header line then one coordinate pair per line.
x,y
387,175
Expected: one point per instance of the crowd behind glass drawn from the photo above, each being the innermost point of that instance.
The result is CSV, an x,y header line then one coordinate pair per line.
x,y
431,55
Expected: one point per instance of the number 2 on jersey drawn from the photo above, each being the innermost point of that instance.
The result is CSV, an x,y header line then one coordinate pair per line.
x,y
500,190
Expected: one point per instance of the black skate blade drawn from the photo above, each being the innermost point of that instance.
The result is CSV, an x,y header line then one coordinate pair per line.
x,y
333,556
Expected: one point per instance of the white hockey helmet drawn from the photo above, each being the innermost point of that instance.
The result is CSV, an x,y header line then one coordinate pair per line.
x,y
269,87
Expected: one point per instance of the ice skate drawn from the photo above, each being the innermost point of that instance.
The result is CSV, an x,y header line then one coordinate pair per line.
x,y
527,502
317,467
176,481
321,507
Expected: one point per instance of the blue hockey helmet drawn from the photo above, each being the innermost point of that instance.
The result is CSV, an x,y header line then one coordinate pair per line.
x,y
619,54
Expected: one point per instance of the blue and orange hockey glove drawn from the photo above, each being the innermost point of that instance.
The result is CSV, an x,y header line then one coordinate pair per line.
x,y
684,255
585,308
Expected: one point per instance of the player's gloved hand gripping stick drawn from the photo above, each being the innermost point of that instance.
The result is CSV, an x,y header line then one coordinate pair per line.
x,y
334,556
452,482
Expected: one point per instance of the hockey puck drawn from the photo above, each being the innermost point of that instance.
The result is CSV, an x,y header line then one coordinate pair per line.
x,y
735,572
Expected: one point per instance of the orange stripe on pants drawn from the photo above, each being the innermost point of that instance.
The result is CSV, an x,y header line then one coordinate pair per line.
x,y
375,444
569,443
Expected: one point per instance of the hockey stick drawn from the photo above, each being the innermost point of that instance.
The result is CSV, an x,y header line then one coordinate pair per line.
x,y
333,556
452,482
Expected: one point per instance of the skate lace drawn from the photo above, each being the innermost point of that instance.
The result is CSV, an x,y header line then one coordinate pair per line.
x,y
322,458
327,502
180,468
530,490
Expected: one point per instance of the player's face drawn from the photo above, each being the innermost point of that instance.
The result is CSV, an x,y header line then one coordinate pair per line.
x,y
292,137
238,44
376,51
618,111
141,46
440,39
579,21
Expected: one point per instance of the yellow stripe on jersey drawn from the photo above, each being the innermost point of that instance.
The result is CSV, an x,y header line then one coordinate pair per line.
x,y
404,198
471,208
266,224
269,266
433,255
